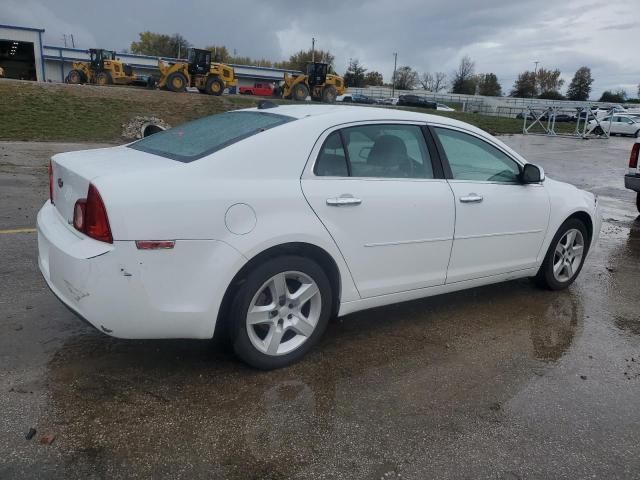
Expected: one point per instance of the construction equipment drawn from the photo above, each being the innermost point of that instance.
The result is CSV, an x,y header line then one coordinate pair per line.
x,y
102,69
199,72
317,83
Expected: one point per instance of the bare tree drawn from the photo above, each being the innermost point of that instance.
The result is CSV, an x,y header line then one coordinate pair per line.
x,y
464,80
433,82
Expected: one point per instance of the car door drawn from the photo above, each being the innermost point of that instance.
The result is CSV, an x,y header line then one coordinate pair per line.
x,y
627,125
379,190
500,222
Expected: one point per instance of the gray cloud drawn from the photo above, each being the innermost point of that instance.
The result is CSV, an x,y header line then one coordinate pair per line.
x,y
502,36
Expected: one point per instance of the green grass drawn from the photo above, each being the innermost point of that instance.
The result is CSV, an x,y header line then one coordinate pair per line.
x,y
55,112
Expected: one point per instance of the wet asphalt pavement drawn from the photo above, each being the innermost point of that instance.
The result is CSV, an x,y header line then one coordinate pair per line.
x,y
499,382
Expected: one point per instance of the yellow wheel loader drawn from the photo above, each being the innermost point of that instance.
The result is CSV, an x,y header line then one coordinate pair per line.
x,y
199,72
102,69
317,83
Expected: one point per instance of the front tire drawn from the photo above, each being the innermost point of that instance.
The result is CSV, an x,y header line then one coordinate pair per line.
x,y
75,77
299,92
176,82
564,259
280,312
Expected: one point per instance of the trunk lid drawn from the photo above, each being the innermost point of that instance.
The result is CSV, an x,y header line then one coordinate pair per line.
x,y
74,171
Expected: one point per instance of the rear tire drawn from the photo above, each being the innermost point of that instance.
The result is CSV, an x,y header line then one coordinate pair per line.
x,y
75,77
637,134
103,78
638,201
299,92
214,86
329,94
270,328
564,259
176,82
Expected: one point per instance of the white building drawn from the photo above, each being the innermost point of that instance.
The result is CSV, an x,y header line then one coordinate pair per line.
x,y
21,54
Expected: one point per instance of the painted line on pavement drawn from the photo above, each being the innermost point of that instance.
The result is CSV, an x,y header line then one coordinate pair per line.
x,y
17,230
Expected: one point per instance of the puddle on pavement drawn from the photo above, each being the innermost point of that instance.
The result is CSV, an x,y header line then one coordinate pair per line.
x,y
400,370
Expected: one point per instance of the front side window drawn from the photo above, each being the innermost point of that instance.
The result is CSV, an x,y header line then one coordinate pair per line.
x,y
474,159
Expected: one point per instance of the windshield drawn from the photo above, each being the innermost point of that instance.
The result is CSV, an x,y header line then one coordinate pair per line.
x,y
196,139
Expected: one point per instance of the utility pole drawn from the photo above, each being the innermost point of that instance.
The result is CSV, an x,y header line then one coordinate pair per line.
x,y
313,50
64,36
393,81
535,78
73,42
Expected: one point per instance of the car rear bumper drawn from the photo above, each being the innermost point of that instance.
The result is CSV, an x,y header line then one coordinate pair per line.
x,y
632,182
131,293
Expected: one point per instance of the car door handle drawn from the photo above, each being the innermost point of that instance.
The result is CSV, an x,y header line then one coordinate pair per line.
x,y
343,201
471,198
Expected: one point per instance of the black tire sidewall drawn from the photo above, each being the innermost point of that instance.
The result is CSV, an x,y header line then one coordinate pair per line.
x,y
169,83
242,345
545,275
210,83
638,201
75,72
329,92
300,88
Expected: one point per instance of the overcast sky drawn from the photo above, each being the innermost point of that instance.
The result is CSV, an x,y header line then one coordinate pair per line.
x,y
501,36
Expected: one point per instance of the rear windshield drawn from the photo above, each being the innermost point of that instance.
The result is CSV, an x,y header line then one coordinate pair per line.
x,y
194,140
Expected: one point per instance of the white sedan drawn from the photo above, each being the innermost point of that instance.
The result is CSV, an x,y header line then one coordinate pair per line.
x,y
261,224
444,108
617,124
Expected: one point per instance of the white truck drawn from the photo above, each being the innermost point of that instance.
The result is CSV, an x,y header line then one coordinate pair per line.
x,y
632,178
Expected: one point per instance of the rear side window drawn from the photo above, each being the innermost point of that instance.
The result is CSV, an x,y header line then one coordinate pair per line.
x,y
194,140
376,151
332,161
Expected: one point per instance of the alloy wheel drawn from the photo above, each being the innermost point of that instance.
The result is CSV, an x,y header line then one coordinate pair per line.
x,y
567,257
283,313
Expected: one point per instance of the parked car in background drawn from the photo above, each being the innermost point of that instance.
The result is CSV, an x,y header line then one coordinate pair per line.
x,y
415,101
444,108
281,217
632,178
261,89
356,98
564,117
390,101
618,124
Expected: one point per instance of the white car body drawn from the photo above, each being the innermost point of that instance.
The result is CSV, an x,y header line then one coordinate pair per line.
x,y
409,238
618,123
444,108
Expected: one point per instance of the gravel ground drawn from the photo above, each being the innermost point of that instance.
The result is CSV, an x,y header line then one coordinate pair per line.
x,y
499,382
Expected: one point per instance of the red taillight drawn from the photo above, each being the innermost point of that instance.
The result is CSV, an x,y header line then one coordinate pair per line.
x,y
90,216
633,158
50,182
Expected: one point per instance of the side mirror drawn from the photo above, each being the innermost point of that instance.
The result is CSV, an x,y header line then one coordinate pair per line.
x,y
532,174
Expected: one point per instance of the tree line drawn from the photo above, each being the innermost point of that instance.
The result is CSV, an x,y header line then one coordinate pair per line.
x,y
539,83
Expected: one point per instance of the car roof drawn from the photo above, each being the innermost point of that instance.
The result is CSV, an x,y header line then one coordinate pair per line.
x,y
326,116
